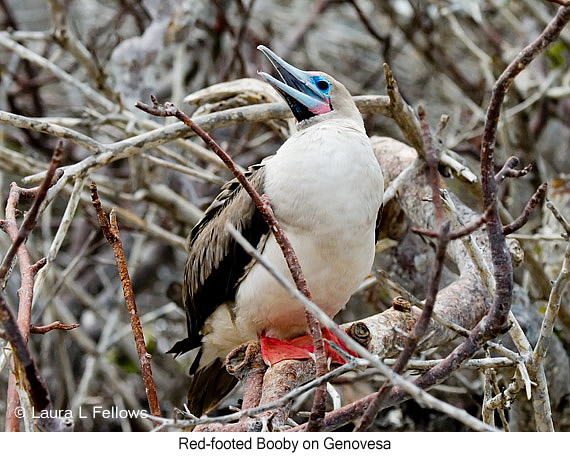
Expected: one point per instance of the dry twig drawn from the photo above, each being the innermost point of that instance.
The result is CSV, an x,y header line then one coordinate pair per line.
x,y
55,325
17,334
111,232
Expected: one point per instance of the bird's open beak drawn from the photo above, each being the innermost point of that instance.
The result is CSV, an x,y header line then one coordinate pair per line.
x,y
298,87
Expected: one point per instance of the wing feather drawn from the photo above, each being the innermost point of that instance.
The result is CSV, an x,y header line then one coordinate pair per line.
x,y
215,261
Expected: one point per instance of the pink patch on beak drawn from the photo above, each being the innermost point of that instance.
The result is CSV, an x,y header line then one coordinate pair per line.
x,y
320,108
275,350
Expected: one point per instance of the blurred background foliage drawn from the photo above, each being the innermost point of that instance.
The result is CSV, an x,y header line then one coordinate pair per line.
x,y
445,56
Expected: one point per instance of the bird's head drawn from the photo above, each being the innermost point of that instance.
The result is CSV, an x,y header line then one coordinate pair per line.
x,y
309,94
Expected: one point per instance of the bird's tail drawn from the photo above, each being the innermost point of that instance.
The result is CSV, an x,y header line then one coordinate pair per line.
x,y
208,386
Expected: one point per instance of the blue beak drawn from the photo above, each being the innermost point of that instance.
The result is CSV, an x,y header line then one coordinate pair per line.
x,y
298,87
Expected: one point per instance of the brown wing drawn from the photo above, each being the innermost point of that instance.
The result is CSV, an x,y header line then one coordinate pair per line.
x,y
215,261
208,386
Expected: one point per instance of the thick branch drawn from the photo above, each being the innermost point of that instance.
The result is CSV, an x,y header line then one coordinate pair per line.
x,y
496,319
421,325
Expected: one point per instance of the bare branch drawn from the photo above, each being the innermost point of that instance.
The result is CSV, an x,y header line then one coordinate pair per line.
x,y
27,273
497,317
561,219
55,325
111,232
532,204
541,399
29,375
31,218
508,170
560,2
402,113
421,325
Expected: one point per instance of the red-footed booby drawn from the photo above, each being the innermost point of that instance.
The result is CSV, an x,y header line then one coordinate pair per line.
x,y
325,187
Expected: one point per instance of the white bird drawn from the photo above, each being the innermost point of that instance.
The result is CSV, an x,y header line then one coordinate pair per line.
x,y
325,187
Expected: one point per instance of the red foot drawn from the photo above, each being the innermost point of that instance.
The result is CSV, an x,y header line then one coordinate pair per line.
x,y
275,350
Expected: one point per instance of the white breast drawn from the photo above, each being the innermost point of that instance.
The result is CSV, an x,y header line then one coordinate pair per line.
x,y
325,187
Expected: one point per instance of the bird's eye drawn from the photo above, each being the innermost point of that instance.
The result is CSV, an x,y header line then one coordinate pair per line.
x,y
323,85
